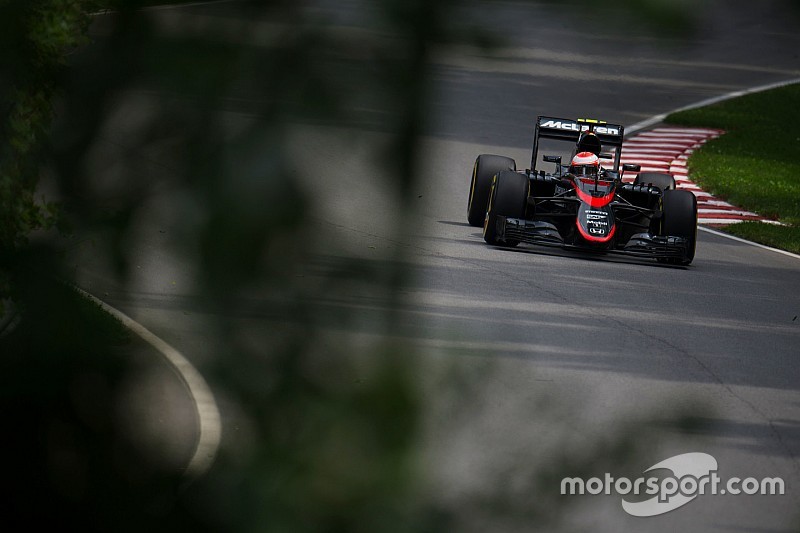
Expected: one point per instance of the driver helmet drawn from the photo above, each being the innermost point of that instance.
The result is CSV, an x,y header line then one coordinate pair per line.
x,y
585,164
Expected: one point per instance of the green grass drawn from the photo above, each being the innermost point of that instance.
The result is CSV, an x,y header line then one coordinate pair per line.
x,y
756,164
786,238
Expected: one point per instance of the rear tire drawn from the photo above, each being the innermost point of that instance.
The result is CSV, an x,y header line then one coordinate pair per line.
x,y
665,182
508,196
680,220
485,168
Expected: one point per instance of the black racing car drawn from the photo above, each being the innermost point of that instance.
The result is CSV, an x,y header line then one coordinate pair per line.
x,y
583,205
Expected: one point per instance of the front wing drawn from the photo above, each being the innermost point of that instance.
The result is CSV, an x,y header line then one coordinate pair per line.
x,y
544,233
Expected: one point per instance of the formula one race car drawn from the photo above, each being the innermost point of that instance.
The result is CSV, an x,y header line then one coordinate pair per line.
x,y
582,205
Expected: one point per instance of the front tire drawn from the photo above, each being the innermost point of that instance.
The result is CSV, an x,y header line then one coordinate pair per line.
x,y
508,197
680,220
665,182
485,168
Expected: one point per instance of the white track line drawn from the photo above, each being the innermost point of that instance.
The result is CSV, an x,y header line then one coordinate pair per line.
x,y
652,121
745,241
163,7
208,418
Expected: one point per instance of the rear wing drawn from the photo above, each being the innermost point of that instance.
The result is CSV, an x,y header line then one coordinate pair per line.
x,y
570,130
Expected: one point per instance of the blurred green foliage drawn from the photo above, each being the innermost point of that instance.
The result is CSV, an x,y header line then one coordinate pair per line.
x,y
319,438
37,37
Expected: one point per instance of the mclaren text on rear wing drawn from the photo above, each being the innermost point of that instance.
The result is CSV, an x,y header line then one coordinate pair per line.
x,y
568,129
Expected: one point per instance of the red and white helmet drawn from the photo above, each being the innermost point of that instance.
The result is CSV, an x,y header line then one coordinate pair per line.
x,y
585,164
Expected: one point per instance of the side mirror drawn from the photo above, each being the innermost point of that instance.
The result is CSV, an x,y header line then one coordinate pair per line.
x,y
552,159
630,167
606,156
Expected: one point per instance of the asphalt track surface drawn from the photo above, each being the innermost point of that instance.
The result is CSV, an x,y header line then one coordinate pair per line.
x,y
572,350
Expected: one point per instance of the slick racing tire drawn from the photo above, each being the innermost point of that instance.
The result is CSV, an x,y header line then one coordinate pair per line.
x,y
665,182
680,220
508,196
485,168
